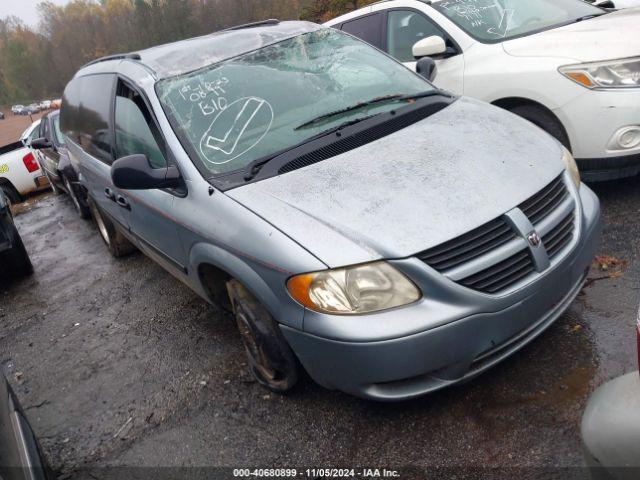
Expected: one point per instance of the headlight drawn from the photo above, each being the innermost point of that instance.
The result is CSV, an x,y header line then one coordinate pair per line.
x,y
613,74
572,168
354,290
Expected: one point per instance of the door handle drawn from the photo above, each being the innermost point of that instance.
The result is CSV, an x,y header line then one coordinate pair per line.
x,y
109,194
123,202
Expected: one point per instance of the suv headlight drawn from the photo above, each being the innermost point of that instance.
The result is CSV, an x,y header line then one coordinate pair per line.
x,y
572,168
612,74
354,290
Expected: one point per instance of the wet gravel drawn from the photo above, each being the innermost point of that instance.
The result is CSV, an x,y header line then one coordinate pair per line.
x,y
116,363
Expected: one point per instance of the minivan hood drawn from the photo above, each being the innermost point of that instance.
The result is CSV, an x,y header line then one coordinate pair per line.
x,y
608,37
411,190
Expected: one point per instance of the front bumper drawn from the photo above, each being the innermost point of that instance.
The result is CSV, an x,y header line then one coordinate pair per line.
x,y
592,120
611,429
611,168
458,348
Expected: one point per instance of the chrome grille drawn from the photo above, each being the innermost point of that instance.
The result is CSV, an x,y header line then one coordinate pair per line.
x,y
469,246
497,256
543,203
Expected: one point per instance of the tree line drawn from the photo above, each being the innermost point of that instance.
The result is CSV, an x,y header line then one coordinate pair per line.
x,y
37,62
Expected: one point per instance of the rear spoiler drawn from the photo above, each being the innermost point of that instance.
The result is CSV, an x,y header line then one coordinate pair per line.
x,y
11,147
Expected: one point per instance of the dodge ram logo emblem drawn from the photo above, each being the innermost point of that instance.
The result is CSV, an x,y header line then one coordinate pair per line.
x,y
534,239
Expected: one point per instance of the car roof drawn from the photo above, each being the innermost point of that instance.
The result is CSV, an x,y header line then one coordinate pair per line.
x,y
189,55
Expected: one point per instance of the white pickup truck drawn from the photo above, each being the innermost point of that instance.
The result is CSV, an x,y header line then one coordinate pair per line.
x,y
20,173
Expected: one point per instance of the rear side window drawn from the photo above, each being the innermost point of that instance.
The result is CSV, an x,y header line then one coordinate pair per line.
x,y
367,28
86,108
136,132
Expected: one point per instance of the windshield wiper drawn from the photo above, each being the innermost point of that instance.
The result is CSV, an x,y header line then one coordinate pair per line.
x,y
587,17
398,97
254,167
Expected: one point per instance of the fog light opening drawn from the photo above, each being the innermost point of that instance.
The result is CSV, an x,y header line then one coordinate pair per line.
x,y
627,138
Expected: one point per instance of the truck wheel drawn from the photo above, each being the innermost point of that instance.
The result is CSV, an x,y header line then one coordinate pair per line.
x,y
117,243
271,360
15,262
545,120
11,193
83,210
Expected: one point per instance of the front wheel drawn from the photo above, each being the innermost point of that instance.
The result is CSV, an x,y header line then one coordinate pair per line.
x,y
545,120
270,358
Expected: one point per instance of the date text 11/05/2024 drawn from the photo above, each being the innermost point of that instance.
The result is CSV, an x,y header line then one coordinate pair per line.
x,y
316,472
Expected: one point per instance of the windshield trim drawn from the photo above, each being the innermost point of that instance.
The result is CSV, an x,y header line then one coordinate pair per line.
x,y
514,37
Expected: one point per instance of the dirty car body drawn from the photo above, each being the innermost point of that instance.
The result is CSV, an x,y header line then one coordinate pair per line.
x,y
403,239
20,453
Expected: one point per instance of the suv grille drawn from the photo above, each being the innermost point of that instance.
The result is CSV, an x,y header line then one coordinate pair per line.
x,y
551,211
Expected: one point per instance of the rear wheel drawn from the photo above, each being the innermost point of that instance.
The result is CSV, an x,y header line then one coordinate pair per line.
x,y
117,243
15,262
270,358
545,120
83,210
11,193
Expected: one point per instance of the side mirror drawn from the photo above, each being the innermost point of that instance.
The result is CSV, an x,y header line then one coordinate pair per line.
x,y
135,173
427,68
40,144
429,47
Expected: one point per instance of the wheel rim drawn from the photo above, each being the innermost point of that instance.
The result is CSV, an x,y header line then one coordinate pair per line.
x,y
102,227
72,194
259,357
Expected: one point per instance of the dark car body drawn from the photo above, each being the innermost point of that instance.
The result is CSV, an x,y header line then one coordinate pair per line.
x,y
14,260
53,157
20,453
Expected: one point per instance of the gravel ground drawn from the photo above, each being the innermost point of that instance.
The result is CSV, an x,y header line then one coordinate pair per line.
x,y
118,364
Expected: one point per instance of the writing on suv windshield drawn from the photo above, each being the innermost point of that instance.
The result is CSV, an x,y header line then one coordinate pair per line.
x,y
232,113
498,20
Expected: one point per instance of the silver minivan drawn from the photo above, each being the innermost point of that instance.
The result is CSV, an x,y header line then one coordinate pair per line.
x,y
386,236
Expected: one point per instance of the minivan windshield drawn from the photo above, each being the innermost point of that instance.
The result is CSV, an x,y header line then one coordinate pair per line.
x,y
235,112
493,21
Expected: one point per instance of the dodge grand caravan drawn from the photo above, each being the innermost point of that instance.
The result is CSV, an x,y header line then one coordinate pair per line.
x,y
387,237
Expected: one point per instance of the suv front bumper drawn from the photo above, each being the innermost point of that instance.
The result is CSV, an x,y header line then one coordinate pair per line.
x,y
453,352
593,120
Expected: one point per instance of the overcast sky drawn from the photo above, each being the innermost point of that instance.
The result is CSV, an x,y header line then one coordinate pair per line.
x,y
24,9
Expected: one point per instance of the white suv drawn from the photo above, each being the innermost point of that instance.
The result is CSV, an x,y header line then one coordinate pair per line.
x,y
569,67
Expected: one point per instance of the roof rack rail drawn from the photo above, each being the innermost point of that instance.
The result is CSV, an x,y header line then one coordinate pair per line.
x,y
263,23
118,56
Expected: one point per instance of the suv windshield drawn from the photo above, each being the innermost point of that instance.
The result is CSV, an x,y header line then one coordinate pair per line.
x,y
494,21
232,113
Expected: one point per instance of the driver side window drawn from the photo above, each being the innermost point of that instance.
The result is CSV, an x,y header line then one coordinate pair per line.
x,y
135,131
405,28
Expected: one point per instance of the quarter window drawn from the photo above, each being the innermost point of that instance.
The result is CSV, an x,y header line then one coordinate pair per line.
x,y
135,131
405,28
